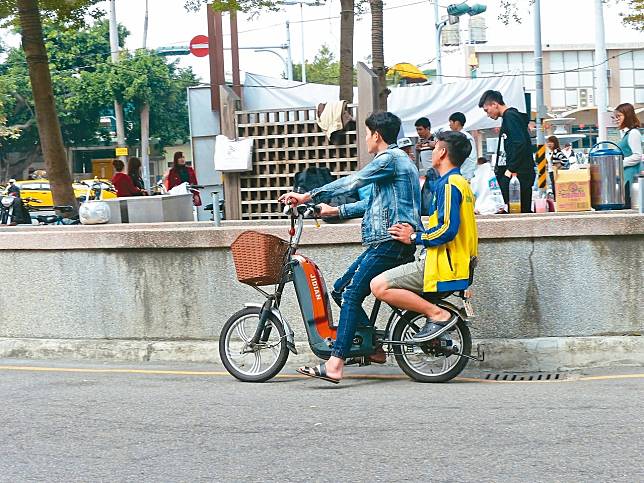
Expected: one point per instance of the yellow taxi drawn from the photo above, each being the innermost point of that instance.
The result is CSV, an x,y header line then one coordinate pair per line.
x,y
40,191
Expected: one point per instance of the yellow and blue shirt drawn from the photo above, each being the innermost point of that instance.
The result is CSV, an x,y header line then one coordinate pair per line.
x,y
451,238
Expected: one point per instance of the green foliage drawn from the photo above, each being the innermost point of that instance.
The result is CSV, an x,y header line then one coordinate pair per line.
x,y
144,77
635,15
246,6
85,83
323,70
62,10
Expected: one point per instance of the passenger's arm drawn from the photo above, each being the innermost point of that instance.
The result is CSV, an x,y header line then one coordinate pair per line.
x,y
449,219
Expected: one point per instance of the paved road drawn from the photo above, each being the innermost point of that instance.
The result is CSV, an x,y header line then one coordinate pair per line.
x,y
173,424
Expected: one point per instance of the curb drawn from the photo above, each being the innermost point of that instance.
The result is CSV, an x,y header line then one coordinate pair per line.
x,y
541,354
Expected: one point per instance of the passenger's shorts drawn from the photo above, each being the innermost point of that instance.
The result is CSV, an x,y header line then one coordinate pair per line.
x,y
409,276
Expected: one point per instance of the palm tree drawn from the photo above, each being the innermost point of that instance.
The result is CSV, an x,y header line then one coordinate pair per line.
x,y
377,52
346,49
51,139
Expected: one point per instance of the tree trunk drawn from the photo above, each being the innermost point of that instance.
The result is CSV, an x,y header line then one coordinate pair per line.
x,y
378,53
346,50
51,138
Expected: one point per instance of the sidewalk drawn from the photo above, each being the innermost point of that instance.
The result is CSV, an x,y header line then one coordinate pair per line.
x,y
525,355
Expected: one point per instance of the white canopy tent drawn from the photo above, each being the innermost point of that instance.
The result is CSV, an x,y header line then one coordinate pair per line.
x,y
435,102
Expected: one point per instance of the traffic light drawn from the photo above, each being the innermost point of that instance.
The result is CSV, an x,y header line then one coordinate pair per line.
x,y
476,9
456,10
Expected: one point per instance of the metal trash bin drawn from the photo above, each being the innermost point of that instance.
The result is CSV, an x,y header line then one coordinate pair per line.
x,y
606,177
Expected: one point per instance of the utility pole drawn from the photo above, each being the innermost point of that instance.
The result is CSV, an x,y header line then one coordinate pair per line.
x,y
601,76
145,26
145,120
439,29
289,58
302,34
453,13
540,108
301,3
118,108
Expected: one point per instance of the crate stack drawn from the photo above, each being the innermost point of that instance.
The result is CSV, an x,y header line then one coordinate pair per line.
x,y
286,142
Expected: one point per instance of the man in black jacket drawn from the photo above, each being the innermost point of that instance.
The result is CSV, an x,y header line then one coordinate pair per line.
x,y
514,150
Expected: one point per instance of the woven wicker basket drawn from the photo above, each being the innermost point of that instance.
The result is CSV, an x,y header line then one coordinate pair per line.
x,y
258,258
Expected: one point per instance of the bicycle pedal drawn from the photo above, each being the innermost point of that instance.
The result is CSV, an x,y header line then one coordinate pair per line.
x,y
360,361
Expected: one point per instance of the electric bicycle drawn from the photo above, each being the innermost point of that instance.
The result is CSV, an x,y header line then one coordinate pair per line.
x,y
255,342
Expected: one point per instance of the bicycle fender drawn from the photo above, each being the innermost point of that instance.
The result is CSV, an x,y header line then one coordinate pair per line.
x,y
290,335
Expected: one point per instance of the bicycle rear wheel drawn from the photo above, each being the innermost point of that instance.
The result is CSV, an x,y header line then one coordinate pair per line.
x,y
438,360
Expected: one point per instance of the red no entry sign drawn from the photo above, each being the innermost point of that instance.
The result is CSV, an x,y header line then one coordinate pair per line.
x,y
199,46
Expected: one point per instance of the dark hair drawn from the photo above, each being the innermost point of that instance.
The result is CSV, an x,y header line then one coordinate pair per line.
x,y
458,117
481,160
457,145
424,122
555,141
118,165
133,166
630,118
384,123
491,96
177,155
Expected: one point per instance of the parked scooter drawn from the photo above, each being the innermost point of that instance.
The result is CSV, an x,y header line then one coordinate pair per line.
x,y
13,210
60,217
94,190
255,342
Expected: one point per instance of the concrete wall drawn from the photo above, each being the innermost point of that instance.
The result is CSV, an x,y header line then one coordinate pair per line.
x,y
540,276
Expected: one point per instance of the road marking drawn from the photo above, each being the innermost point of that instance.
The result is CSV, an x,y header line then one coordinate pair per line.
x,y
616,376
162,372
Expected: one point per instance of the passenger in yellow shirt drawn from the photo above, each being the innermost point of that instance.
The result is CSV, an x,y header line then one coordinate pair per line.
x,y
450,242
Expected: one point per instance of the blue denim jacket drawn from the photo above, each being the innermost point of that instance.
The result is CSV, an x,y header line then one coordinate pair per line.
x,y
395,196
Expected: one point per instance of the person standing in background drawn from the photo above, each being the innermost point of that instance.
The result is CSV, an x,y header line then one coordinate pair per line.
x,y
514,149
180,173
134,172
630,144
457,123
569,153
556,159
424,145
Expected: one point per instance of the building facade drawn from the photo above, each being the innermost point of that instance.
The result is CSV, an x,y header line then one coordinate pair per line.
x,y
568,80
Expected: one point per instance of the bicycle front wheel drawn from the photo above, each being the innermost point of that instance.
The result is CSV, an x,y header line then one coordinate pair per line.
x,y
247,362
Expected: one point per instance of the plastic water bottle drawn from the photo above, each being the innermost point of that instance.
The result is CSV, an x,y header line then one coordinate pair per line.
x,y
515,195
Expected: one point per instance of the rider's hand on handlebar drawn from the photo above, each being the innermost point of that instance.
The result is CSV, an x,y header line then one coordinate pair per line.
x,y
401,232
326,211
294,199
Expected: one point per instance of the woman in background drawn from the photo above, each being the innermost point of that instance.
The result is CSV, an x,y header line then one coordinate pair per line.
x,y
556,159
180,173
122,182
631,145
134,172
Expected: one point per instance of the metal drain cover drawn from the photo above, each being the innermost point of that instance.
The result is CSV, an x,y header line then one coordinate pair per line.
x,y
525,376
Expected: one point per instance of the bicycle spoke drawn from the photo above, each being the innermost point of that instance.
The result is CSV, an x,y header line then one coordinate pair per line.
x,y
241,331
257,365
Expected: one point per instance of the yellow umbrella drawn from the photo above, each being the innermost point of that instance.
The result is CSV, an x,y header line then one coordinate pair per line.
x,y
407,71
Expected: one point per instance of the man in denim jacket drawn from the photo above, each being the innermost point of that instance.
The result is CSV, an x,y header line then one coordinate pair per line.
x,y
394,198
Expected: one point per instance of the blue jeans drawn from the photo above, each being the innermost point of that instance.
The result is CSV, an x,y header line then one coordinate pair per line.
x,y
354,287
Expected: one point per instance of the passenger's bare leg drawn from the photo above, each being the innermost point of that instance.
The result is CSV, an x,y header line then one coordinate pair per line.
x,y
407,300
